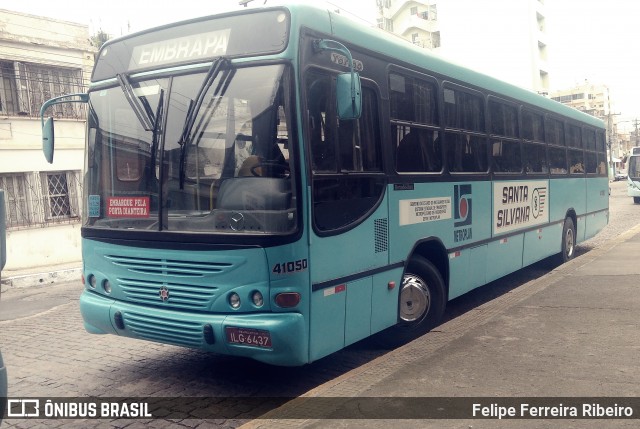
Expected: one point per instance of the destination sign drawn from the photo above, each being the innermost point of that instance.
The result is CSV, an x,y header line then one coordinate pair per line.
x,y
187,48
245,33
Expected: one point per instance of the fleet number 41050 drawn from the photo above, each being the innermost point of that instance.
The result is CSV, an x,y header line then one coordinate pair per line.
x,y
290,267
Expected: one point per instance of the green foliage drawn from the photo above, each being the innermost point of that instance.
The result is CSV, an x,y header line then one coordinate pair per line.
x,y
99,38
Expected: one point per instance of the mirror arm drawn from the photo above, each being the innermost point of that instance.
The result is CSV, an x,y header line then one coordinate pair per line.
x,y
73,98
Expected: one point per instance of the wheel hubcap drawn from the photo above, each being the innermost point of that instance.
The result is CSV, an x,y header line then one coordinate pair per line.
x,y
415,298
570,243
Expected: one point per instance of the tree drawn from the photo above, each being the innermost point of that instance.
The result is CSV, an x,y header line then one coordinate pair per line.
x,y
99,38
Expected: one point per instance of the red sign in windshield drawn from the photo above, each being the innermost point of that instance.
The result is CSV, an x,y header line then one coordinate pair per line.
x,y
128,207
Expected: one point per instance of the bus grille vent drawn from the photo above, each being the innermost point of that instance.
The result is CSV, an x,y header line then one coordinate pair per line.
x,y
381,227
163,330
169,267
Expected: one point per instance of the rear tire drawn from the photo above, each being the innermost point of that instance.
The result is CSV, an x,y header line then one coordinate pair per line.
x,y
421,303
636,200
568,241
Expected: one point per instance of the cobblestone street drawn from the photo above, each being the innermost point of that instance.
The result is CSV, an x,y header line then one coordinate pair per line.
x,y
49,355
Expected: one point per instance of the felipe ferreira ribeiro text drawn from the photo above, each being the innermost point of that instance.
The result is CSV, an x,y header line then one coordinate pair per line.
x,y
560,410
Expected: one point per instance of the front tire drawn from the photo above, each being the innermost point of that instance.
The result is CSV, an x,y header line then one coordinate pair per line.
x,y
568,241
421,303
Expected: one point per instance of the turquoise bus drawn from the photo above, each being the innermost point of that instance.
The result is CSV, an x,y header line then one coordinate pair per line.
x,y
278,183
633,175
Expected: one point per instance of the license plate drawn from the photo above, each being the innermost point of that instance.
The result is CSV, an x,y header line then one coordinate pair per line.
x,y
248,337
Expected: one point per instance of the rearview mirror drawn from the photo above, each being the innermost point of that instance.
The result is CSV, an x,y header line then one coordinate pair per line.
x,y
349,96
47,127
48,140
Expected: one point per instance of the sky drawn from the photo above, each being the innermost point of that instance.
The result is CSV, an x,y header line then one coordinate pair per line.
x,y
591,40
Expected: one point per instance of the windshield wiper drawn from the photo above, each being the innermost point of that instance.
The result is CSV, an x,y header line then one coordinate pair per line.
x,y
143,111
155,141
194,107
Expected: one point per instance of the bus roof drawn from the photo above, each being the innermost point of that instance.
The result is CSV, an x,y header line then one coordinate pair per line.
x,y
390,45
383,44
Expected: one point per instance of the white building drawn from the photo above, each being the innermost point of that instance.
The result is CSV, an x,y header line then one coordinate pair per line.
x,y
416,21
41,58
503,38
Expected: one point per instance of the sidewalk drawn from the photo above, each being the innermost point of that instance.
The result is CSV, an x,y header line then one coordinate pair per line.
x,y
41,275
571,335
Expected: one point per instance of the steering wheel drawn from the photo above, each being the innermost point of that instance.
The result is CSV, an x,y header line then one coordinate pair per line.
x,y
276,168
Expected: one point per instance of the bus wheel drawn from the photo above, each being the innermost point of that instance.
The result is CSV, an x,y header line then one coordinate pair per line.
x,y
568,241
636,200
422,300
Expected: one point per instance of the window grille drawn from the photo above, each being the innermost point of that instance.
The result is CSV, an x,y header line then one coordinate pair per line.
x,y
39,199
15,186
24,87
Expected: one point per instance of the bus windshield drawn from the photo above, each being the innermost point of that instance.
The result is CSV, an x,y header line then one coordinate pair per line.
x,y
201,152
633,171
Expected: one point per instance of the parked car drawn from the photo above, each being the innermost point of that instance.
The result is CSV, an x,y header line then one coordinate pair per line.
x,y
621,174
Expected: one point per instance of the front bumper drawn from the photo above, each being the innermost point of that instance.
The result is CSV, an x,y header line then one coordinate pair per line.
x,y
289,341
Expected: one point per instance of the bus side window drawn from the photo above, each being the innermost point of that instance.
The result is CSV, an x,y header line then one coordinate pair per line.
x,y
322,145
467,153
414,100
343,156
419,151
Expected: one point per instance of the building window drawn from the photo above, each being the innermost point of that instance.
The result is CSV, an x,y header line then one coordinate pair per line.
x,y
57,196
7,89
413,10
15,194
435,39
24,87
37,199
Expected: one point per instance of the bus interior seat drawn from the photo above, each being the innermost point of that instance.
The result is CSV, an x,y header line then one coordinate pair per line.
x,y
410,156
255,193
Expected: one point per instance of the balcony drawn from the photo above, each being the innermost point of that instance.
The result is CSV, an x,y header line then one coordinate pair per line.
x,y
415,22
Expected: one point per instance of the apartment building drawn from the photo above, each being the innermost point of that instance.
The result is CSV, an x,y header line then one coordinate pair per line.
x,y
587,97
41,58
412,20
503,38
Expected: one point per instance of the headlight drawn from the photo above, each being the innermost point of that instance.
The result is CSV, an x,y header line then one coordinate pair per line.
x,y
234,300
257,298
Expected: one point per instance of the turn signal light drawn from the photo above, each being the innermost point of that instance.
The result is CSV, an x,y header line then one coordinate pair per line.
x,y
287,299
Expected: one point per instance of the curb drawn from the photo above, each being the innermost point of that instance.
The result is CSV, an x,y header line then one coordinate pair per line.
x,y
34,279
360,380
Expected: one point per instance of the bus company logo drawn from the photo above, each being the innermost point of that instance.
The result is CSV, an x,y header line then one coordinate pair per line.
x,y
164,294
462,210
462,213
538,202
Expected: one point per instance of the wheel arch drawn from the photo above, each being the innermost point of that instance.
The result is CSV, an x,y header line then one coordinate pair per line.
x,y
434,251
571,213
